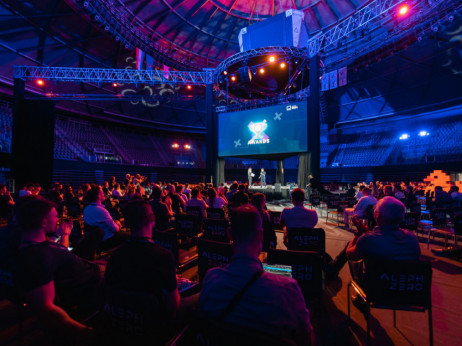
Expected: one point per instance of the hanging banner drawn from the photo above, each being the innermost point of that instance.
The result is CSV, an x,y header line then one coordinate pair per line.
x,y
342,76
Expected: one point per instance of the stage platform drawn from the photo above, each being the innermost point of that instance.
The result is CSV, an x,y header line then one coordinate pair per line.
x,y
272,192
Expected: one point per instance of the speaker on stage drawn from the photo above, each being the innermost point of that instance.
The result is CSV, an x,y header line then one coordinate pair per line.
x,y
244,74
32,145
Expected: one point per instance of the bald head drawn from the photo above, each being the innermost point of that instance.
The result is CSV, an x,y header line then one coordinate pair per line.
x,y
389,211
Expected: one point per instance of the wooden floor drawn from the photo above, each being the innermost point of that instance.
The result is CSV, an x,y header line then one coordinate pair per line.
x,y
412,326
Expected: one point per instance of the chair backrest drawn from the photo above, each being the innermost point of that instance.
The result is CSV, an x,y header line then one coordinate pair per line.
x,y
306,239
458,224
212,254
168,240
129,315
216,230
186,224
438,216
306,269
398,283
215,213
196,211
332,203
275,218
411,221
315,200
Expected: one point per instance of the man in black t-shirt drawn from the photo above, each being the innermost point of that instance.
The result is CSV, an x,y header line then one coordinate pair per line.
x,y
141,265
49,272
161,212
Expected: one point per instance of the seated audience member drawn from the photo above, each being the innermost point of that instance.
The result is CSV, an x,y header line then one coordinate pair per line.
x,y
106,189
360,208
29,189
6,203
298,216
398,193
410,196
240,197
96,215
112,183
442,198
161,212
141,265
179,190
231,191
197,201
387,240
213,201
272,304
173,200
359,194
186,190
46,269
388,191
269,236
456,196
117,192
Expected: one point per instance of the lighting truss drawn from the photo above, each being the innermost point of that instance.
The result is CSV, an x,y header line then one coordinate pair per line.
x,y
289,52
114,17
100,75
263,103
357,20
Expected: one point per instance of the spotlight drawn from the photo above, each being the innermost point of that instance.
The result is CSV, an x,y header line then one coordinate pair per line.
x,y
189,87
225,72
175,145
262,70
187,146
40,82
272,58
404,136
403,10
114,85
423,133
233,78
283,64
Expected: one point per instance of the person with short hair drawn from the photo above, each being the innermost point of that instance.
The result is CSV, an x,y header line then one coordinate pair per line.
x,y
46,269
161,212
272,304
197,201
359,208
298,216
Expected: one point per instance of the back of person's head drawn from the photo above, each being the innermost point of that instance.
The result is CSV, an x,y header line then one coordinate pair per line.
x,y
156,191
455,188
398,187
387,190
241,187
245,224
438,189
211,193
138,214
409,188
234,186
31,211
170,188
195,192
93,194
367,191
179,188
389,211
258,200
117,186
298,195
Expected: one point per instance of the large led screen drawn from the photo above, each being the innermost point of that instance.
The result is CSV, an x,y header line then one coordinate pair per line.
x,y
263,131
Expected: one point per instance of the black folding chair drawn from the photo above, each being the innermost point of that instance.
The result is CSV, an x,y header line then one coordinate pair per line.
x,y
395,285
215,213
216,230
212,254
306,239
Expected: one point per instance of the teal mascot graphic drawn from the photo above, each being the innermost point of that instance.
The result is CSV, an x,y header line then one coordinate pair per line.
x,y
259,136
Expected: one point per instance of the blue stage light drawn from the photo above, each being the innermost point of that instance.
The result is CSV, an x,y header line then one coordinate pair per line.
x,y
404,136
423,133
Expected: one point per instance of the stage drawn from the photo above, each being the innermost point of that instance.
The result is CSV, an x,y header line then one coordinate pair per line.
x,y
272,192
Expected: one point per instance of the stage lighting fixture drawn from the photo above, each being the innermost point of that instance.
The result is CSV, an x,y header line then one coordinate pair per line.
x,y
225,72
189,87
262,70
272,58
233,78
187,146
283,64
404,136
114,85
175,145
423,133
403,10
40,82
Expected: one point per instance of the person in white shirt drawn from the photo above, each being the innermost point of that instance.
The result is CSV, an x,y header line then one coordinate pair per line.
x,y
117,192
360,207
213,201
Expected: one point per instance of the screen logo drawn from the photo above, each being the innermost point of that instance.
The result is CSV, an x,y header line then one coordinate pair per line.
x,y
259,136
